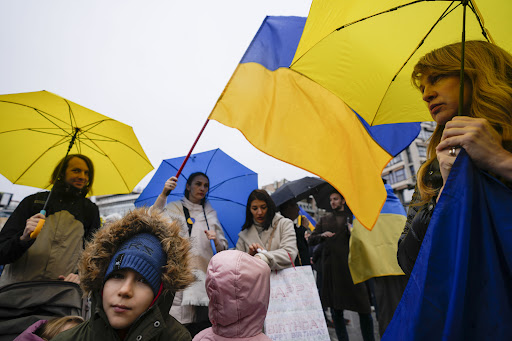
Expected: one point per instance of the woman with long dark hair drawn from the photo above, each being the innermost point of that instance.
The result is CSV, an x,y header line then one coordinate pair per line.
x,y
200,224
267,234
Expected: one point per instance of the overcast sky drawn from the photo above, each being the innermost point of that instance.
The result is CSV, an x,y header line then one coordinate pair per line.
x,y
157,65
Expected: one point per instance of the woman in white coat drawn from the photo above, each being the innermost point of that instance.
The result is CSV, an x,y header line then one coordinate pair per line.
x,y
200,224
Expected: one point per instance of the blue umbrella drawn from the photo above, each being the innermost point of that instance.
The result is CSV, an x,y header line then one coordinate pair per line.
x,y
230,186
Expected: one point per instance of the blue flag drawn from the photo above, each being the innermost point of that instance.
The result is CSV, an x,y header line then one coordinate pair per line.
x,y
461,284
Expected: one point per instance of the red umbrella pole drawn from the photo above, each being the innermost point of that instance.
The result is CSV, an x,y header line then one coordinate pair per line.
x,y
183,165
190,152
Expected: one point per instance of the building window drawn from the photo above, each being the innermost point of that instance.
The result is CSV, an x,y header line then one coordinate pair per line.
x,y
422,151
395,176
395,160
425,134
399,175
413,172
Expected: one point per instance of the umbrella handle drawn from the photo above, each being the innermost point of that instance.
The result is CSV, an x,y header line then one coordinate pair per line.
x,y
214,249
39,226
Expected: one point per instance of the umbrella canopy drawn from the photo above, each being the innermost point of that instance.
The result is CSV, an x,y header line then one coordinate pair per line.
x,y
364,51
297,190
295,119
230,186
38,128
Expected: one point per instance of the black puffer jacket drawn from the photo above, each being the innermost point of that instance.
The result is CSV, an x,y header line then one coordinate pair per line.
x,y
71,219
418,219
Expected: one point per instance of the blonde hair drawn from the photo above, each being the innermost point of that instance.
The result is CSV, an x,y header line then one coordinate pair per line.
x,y
55,326
488,68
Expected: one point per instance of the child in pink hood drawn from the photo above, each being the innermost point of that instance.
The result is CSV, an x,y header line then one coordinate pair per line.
x,y
238,286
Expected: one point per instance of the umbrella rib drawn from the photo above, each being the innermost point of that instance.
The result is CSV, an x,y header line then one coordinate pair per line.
x,y
210,161
113,164
35,130
108,157
485,33
95,124
446,12
44,114
108,139
60,142
225,200
233,178
72,118
357,21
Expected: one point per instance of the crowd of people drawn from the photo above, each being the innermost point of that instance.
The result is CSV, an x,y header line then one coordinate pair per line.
x,y
153,275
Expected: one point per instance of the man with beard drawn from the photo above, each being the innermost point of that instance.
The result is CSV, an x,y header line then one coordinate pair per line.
x,y
338,290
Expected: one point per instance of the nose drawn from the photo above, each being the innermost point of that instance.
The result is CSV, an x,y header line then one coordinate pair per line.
x,y
428,93
126,288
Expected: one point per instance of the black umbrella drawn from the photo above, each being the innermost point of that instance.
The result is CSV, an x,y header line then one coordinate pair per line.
x,y
298,189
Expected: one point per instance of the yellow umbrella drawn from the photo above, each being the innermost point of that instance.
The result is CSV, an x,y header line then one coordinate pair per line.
x,y
37,127
364,51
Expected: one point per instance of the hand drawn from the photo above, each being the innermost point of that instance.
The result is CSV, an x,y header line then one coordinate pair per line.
x,y
31,226
253,248
304,222
446,160
480,140
170,185
70,278
210,234
328,234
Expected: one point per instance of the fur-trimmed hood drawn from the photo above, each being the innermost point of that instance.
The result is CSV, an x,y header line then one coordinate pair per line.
x,y
96,257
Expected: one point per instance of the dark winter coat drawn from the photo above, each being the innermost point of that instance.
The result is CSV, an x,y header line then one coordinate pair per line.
x,y
302,247
338,290
155,323
418,218
70,220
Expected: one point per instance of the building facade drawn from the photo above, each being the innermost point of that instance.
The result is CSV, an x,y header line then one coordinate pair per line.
x,y
401,171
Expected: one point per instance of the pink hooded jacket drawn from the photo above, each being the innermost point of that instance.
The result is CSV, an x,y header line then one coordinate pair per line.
x,y
238,286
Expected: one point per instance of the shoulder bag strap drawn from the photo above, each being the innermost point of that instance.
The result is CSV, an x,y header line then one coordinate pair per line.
x,y
187,219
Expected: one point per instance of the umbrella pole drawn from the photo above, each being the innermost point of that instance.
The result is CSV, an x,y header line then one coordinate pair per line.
x,y
461,88
212,243
41,222
190,152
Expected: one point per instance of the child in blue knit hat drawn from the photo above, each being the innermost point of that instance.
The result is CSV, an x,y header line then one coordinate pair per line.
x,y
132,269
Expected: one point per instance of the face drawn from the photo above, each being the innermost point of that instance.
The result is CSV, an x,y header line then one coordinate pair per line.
x,y
198,189
77,173
441,93
259,210
126,295
336,201
291,211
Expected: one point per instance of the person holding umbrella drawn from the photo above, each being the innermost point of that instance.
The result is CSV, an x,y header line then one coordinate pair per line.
x,y
267,234
484,130
71,219
200,224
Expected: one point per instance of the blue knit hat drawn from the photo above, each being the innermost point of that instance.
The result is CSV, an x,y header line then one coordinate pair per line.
x,y
142,253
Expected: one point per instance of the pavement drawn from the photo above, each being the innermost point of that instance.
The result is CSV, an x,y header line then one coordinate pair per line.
x,y
354,332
